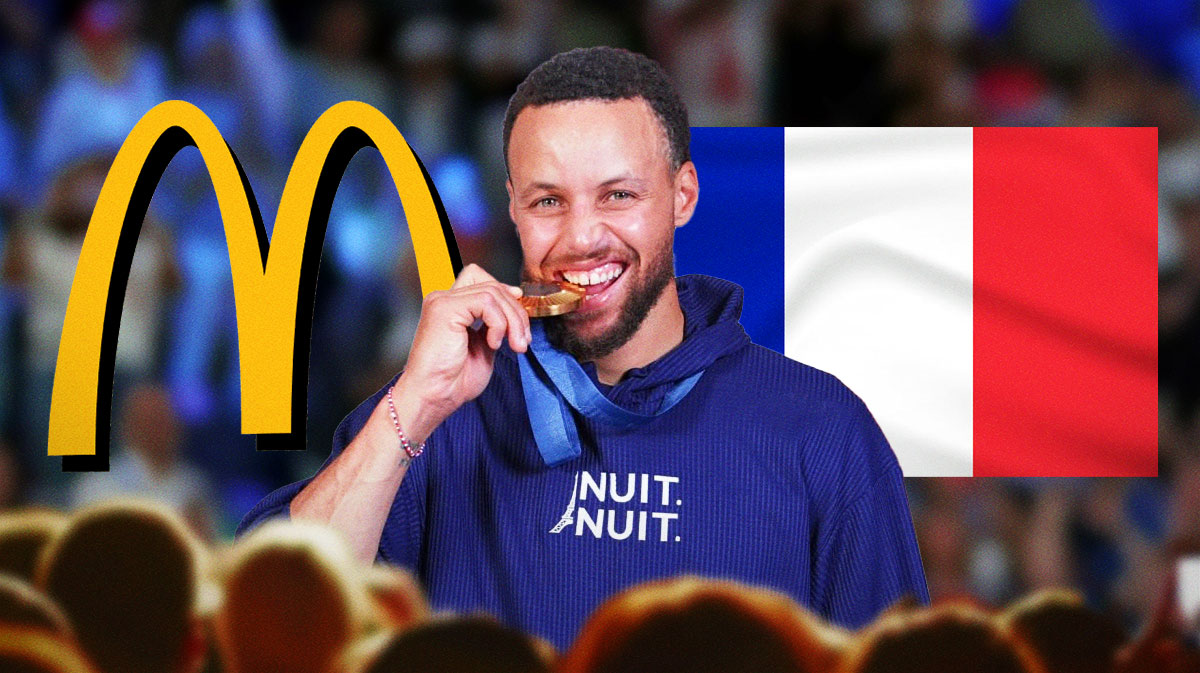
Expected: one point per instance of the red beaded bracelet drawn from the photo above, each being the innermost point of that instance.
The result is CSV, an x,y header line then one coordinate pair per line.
x,y
404,442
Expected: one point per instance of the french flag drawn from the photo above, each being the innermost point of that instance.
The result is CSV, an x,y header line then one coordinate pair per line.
x,y
990,293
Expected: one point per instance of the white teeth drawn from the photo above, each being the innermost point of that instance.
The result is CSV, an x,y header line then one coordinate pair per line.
x,y
595,276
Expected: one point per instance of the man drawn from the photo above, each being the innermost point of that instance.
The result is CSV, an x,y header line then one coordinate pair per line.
x,y
695,450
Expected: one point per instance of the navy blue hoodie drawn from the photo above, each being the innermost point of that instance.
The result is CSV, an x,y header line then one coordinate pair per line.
x,y
768,471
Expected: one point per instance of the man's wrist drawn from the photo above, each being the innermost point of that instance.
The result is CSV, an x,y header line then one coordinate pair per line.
x,y
405,443
416,416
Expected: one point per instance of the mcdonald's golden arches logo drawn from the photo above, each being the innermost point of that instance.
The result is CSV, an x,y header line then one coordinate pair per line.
x,y
273,282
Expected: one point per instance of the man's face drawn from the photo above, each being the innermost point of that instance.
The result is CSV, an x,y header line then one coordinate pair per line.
x,y
596,203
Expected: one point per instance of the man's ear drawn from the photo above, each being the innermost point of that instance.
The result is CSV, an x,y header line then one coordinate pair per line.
x,y
687,193
512,204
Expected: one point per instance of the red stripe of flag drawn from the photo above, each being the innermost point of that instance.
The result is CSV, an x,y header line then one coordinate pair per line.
x,y
1065,302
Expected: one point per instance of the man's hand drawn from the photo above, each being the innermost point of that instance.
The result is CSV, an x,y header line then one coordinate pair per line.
x,y
450,363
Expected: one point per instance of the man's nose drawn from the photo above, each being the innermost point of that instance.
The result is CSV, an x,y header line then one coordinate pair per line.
x,y
583,229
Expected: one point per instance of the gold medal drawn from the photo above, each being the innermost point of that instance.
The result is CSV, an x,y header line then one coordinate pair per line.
x,y
549,298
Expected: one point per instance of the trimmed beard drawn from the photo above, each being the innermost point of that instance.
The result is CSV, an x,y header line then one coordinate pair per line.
x,y
642,298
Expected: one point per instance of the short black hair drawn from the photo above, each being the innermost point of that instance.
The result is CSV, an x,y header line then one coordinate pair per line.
x,y
607,74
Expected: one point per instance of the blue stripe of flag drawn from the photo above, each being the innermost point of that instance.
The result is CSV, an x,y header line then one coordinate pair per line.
x,y
737,230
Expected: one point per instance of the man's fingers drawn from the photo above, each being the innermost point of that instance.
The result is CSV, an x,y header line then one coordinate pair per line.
x,y
473,277
470,275
494,319
473,274
516,320
479,290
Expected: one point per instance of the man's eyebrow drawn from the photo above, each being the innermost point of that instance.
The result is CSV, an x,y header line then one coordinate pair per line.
x,y
539,187
621,178
550,187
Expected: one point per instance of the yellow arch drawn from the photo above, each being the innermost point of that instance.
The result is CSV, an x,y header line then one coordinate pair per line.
x,y
268,288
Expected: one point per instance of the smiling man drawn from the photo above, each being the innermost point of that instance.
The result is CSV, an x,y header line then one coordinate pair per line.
x,y
639,437
597,192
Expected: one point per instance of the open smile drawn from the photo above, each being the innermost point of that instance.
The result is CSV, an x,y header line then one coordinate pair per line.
x,y
596,280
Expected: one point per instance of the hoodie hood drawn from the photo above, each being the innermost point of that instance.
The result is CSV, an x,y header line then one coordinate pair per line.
x,y
711,309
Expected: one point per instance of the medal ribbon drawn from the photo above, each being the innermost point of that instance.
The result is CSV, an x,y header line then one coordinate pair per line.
x,y
552,380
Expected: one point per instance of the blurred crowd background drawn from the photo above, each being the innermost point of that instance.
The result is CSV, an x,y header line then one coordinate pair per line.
x,y
76,76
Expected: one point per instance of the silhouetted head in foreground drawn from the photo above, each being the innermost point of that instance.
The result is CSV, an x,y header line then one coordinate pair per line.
x,y
293,600
475,644
946,638
32,650
397,598
690,625
23,535
1067,635
23,606
127,576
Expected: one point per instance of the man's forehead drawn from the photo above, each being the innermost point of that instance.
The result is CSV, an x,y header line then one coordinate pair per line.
x,y
628,126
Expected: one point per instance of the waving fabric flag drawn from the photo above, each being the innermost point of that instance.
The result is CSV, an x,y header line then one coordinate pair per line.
x,y
990,293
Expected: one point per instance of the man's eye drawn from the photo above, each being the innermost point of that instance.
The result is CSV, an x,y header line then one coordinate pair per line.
x,y
620,195
546,202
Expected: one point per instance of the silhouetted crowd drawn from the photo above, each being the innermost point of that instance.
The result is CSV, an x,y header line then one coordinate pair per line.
x,y
125,587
